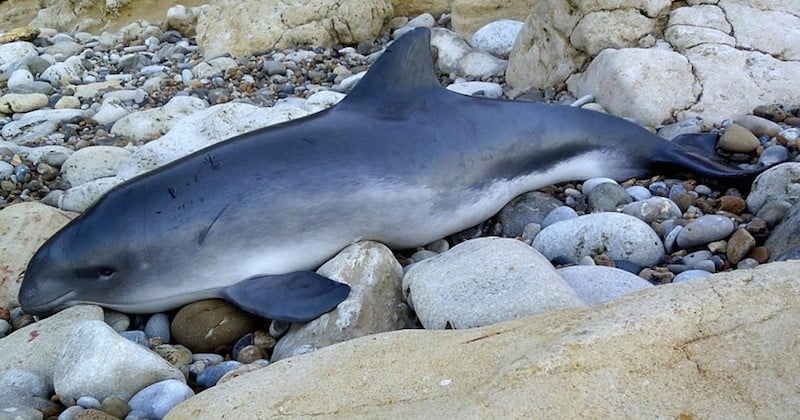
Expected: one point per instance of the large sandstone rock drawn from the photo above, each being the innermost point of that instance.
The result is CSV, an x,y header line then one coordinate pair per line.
x,y
718,348
23,228
92,16
240,27
469,15
560,38
413,8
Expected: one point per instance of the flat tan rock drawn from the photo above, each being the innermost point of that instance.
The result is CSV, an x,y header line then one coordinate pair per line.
x,y
725,347
23,229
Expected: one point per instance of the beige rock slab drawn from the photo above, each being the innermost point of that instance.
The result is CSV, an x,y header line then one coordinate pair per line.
x,y
92,16
469,15
241,27
23,228
412,8
721,348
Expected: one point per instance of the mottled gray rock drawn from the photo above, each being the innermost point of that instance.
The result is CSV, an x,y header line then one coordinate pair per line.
x,y
530,207
558,214
784,241
619,236
94,357
156,400
607,197
37,345
704,230
652,209
375,303
485,281
781,182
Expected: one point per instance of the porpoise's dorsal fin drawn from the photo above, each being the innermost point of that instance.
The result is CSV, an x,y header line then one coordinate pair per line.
x,y
403,71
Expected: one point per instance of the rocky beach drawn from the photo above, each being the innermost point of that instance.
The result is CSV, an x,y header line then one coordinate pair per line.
x,y
668,296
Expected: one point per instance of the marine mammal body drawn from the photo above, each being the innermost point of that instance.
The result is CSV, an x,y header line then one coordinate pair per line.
x,y
400,160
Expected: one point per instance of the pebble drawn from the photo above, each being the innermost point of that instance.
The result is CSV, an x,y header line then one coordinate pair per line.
x,y
88,402
158,326
597,285
607,197
739,245
136,336
592,183
738,139
652,209
706,229
691,125
116,407
773,155
531,207
156,400
747,263
208,324
177,355
638,192
209,377
22,102
556,215
117,320
690,275
774,212
619,236
781,182
759,126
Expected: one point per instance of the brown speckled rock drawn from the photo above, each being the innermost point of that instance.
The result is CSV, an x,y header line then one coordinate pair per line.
x,y
738,139
739,245
207,324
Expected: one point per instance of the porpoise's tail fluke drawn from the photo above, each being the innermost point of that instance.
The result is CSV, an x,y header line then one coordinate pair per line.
x,y
695,153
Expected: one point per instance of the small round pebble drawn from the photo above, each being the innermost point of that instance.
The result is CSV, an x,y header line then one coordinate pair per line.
x,y
556,215
591,183
638,192
747,263
704,230
209,377
88,402
607,197
117,407
158,399
691,275
738,139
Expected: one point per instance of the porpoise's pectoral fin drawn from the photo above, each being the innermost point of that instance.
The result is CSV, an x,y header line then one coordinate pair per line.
x,y
704,143
697,154
295,297
401,73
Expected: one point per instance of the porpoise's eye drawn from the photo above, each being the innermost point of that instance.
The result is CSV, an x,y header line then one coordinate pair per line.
x,y
105,273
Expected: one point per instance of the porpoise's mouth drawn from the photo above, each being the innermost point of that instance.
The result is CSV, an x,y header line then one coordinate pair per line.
x,y
49,307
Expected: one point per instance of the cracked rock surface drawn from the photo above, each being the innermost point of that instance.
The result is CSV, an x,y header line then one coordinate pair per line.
x,y
736,55
243,26
713,348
